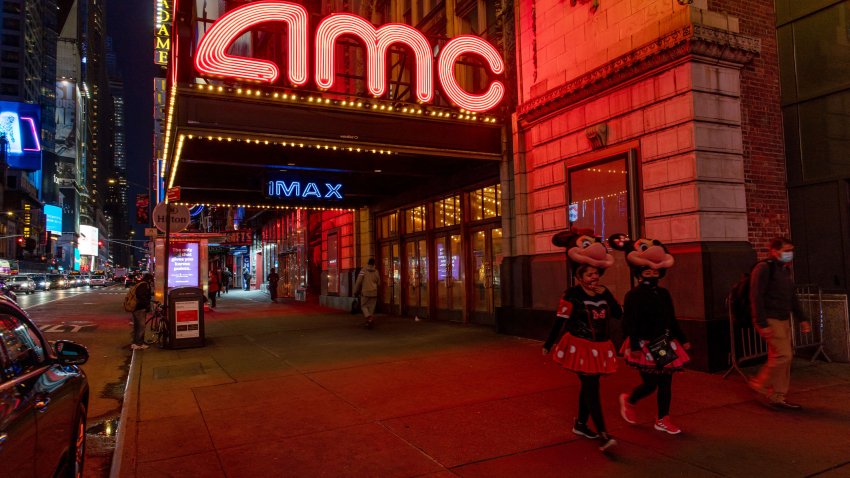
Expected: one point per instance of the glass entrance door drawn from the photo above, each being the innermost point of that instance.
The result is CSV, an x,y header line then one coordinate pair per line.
x,y
450,277
486,248
416,256
390,278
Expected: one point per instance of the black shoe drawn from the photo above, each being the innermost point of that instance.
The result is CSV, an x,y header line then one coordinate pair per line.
x,y
607,441
585,431
369,324
783,405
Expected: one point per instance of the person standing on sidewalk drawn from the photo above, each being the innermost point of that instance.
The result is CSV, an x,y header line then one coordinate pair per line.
x,y
246,278
273,279
581,329
226,280
213,286
649,318
773,299
366,286
144,293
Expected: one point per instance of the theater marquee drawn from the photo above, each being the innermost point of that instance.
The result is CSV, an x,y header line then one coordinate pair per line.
x,y
213,60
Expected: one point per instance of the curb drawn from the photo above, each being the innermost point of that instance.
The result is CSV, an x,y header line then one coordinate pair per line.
x,y
124,456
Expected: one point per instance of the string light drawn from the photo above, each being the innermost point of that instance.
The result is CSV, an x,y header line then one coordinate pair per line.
x,y
290,144
266,206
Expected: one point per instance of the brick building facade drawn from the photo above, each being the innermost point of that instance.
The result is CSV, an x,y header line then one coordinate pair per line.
x,y
652,118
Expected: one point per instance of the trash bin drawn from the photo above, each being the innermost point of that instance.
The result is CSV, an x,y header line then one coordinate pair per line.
x,y
186,317
301,294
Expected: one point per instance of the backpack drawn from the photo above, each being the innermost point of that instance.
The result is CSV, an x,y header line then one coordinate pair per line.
x,y
130,300
739,297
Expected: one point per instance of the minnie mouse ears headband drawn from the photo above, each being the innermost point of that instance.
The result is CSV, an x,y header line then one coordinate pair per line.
x,y
583,248
642,253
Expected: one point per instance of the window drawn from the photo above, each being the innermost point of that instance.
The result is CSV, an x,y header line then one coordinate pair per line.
x,y
11,40
388,226
23,348
11,24
333,263
414,220
485,203
599,200
447,212
8,89
10,73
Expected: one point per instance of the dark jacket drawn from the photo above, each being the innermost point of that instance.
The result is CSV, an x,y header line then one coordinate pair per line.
x,y
143,296
589,316
648,313
772,293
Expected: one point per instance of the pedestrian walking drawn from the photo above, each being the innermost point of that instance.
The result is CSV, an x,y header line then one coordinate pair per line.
x,y
273,278
581,329
772,300
654,340
366,286
226,280
220,278
213,286
143,293
246,278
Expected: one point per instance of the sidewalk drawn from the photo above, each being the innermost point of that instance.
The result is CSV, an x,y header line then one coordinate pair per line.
x,y
297,390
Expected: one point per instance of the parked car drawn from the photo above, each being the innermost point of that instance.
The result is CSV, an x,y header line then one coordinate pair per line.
x,y
99,280
57,281
43,399
20,283
131,279
41,282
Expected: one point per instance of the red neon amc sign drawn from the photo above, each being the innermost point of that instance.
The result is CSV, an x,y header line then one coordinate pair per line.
x,y
212,58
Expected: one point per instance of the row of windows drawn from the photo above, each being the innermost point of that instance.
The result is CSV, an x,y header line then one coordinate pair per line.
x,y
481,204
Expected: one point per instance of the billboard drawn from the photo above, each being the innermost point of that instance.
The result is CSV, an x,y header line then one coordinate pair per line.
x,y
143,202
88,241
54,218
20,132
66,121
183,261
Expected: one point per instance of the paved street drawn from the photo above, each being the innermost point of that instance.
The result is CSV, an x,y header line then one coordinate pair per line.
x,y
297,390
95,318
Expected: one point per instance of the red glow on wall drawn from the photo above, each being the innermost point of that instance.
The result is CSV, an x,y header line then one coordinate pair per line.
x,y
212,58
377,42
451,53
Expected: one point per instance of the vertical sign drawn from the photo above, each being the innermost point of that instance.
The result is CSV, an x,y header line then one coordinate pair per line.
x,y
183,261
162,35
143,202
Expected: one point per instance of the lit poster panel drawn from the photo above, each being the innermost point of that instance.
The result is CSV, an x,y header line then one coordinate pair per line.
x,y
66,120
183,261
88,241
20,129
54,218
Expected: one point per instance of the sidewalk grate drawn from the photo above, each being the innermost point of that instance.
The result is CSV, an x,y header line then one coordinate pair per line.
x,y
175,371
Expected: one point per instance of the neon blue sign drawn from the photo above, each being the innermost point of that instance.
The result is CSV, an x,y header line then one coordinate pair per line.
x,y
283,189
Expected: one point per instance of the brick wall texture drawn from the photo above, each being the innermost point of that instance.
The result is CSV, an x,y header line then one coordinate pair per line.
x,y
764,152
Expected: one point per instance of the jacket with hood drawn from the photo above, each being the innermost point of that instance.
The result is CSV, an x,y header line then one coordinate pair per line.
x,y
367,282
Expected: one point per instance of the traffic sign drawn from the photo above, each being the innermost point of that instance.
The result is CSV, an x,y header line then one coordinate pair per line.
x,y
179,217
150,232
173,194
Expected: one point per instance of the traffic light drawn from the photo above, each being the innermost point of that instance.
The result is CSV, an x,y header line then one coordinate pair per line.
x,y
99,243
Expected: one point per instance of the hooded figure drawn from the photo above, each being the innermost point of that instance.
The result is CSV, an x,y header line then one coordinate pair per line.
x,y
367,284
581,328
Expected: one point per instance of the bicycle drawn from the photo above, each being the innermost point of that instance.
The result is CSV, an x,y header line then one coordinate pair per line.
x,y
156,326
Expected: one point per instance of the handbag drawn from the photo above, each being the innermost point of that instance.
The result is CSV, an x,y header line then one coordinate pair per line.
x,y
355,306
661,350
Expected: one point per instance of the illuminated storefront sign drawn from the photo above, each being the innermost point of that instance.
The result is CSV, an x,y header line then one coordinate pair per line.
x,y
289,189
162,35
212,58
20,126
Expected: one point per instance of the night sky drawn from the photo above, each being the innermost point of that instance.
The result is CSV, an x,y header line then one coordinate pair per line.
x,y
130,24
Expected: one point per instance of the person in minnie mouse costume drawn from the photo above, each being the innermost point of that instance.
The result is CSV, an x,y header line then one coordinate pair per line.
x,y
652,332
581,328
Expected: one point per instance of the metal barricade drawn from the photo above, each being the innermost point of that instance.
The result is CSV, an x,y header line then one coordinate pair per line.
x,y
811,301
746,344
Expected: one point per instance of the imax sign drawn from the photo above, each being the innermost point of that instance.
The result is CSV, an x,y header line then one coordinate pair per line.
x,y
303,190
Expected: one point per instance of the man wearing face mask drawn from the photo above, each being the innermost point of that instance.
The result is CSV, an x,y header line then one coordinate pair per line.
x,y
773,299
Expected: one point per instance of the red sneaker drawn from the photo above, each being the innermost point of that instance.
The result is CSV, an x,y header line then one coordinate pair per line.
x,y
667,425
627,410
